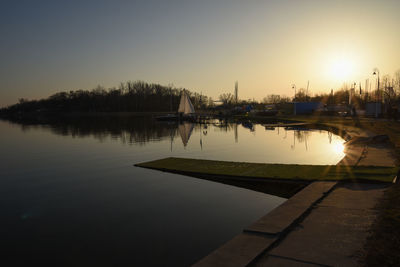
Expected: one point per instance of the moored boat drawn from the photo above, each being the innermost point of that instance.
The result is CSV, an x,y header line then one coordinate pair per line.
x,y
185,111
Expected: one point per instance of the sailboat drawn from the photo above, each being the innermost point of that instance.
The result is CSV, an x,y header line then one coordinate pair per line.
x,y
185,110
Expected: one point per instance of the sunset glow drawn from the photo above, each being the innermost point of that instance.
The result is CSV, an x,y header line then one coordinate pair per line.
x,y
341,69
200,133
205,46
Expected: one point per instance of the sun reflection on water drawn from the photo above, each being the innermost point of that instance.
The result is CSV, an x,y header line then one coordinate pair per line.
x,y
338,148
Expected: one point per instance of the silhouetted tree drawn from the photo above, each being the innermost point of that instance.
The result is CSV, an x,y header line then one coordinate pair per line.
x,y
272,99
135,96
301,95
227,99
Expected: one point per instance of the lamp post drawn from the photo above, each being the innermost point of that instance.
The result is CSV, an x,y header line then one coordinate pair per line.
x,y
376,72
352,92
294,103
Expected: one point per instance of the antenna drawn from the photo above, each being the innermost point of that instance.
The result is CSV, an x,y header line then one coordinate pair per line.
x,y
236,91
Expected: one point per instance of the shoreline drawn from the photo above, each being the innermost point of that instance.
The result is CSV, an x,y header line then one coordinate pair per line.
x,y
253,246
293,251
346,127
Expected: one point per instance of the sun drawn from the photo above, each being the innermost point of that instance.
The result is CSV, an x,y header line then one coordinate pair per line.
x,y
341,69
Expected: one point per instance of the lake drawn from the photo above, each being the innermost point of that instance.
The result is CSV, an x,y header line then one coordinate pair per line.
x,y
70,195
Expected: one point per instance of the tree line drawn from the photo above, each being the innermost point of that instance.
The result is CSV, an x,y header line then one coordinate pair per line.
x,y
356,93
139,96
131,96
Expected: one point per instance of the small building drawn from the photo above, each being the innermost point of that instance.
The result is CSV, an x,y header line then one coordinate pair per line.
x,y
373,109
308,107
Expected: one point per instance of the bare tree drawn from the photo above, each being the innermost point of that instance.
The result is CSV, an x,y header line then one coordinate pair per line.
x,y
226,98
272,99
397,82
301,95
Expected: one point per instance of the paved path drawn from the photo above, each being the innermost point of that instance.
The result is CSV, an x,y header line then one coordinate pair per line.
x,y
333,234
325,224
261,235
378,155
363,152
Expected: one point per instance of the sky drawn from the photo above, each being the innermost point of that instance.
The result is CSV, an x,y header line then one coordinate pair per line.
x,y
204,46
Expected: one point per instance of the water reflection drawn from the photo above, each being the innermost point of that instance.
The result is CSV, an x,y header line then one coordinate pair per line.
x,y
185,130
218,139
248,125
127,129
70,186
77,191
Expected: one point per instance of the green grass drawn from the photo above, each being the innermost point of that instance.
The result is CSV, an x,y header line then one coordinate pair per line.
x,y
273,171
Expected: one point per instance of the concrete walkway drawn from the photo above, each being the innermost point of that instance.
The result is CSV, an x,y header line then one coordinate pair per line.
x,y
325,224
363,152
378,155
268,230
333,234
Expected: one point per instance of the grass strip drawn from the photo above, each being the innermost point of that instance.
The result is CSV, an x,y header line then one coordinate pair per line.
x,y
274,171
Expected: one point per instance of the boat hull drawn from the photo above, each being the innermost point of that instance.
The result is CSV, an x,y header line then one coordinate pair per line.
x,y
174,117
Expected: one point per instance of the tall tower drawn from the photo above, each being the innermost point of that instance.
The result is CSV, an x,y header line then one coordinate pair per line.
x,y
236,91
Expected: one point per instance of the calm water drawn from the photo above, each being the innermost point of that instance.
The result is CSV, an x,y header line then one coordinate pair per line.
x,y
71,196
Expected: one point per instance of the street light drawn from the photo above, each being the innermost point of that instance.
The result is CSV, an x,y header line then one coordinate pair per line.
x,y
294,103
376,72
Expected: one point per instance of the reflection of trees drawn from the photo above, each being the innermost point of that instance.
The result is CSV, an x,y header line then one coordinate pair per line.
x,y
127,129
330,137
138,129
302,136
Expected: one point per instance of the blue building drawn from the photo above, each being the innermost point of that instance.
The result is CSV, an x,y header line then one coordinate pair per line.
x,y
308,107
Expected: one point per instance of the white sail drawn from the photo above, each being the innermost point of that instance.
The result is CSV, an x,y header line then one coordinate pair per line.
x,y
185,130
185,106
